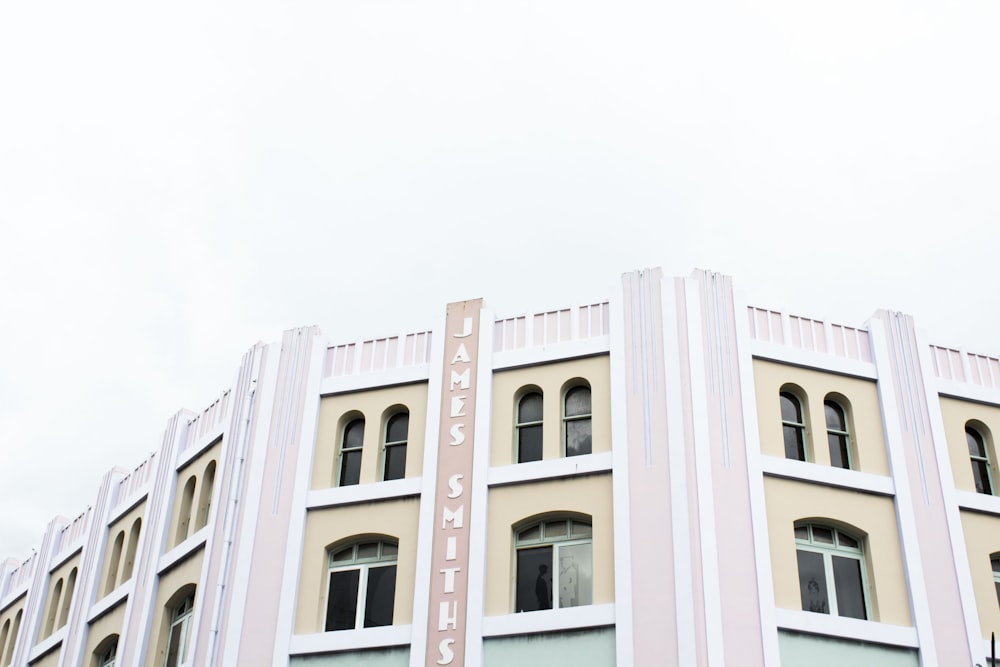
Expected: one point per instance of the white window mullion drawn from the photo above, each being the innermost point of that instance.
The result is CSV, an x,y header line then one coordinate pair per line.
x,y
831,583
359,618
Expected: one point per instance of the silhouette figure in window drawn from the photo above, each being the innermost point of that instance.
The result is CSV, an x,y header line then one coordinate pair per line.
x,y
542,588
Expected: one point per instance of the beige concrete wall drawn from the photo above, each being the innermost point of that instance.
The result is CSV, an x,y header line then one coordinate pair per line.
x,y
863,515
512,505
858,397
50,659
986,419
9,615
982,538
553,380
106,584
109,624
193,470
326,527
58,606
376,407
184,574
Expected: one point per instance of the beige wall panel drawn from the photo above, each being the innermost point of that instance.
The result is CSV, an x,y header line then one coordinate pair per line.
x,y
553,380
106,584
396,518
56,609
864,417
195,469
982,538
789,501
50,659
185,573
510,505
7,618
376,407
956,413
108,624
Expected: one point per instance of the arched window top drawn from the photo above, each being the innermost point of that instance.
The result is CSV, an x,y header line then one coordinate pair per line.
x,y
397,427
836,419
529,408
364,551
354,433
837,433
106,652
995,565
577,402
825,535
553,530
791,408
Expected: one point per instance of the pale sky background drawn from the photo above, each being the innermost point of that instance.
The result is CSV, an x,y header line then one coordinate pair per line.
x,y
180,180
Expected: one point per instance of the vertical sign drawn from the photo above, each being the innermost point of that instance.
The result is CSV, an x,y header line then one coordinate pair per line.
x,y
450,552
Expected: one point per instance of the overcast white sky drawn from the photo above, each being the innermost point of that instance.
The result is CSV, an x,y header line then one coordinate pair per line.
x,y
179,181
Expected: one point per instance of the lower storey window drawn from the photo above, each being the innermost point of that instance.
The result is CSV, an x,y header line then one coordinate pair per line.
x,y
832,576
554,566
177,639
362,586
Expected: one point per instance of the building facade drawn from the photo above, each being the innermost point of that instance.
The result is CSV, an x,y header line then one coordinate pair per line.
x,y
668,476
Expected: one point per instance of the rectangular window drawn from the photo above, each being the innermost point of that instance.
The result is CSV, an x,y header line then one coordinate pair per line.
x,y
380,596
342,601
812,582
850,591
534,579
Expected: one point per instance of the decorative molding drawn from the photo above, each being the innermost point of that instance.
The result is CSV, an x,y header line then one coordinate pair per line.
x,y
549,620
570,466
363,493
855,480
351,640
846,628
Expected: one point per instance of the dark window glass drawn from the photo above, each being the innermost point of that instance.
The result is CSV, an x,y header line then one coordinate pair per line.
x,y
529,443
350,453
577,422
395,462
342,600
980,461
534,579
793,428
837,435
397,428
396,433
380,596
812,582
529,428
850,592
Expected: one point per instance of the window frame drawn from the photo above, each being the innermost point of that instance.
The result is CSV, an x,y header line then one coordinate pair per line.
x,y
977,460
557,543
799,426
568,420
363,565
342,449
519,425
181,614
829,551
845,433
388,445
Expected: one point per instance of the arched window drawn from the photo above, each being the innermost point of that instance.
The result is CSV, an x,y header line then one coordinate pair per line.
x,y
205,497
54,600
67,599
114,561
529,427
106,652
133,543
184,513
576,421
555,567
980,459
177,634
394,448
12,638
351,442
837,435
4,634
362,587
832,576
793,426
